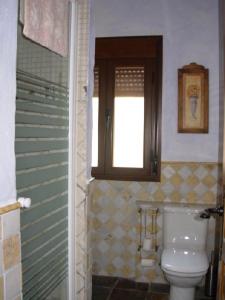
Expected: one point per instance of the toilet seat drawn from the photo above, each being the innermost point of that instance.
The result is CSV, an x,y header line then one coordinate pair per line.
x,y
184,262
183,274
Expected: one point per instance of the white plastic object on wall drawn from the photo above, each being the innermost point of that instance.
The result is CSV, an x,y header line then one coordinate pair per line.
x,y
24,202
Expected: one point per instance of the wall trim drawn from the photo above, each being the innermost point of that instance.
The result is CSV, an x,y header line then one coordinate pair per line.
x,y
165,162
10,207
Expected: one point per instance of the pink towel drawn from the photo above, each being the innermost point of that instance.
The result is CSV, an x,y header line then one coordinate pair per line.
x,y
46,23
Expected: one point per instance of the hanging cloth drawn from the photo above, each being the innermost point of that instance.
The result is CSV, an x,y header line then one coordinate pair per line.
x,y
46,23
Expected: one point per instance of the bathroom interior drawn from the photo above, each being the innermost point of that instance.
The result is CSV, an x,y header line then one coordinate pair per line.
x,y
126,218
89,234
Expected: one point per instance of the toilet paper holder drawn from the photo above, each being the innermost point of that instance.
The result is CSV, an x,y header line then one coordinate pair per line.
x,y
148,236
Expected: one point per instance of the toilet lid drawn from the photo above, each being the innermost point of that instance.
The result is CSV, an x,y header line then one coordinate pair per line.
x,y
184,261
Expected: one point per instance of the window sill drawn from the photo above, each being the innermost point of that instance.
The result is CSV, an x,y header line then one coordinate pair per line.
x,y
117,177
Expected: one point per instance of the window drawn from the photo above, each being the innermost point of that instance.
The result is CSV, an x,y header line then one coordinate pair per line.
x,y
127,108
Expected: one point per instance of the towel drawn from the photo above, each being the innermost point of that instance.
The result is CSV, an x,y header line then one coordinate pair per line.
x,y
46,23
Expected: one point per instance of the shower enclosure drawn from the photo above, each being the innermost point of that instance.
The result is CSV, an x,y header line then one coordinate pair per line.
x,y
42,117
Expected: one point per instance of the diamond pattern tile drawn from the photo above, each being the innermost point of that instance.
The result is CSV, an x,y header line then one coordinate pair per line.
x,y
135,187
118,217
192,181
209,180
115,203
168,188
103,217
118,248
201,172
158,196
168,171
184,172
176,180
119,202
119,233
104,186
200,189
118,262
103,246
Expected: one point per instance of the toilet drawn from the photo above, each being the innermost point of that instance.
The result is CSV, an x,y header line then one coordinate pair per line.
x,y
184,260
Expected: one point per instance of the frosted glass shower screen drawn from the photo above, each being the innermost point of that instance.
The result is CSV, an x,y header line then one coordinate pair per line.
x,y
42,174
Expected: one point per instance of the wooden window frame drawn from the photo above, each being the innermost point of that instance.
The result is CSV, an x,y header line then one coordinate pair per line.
x,y
112,52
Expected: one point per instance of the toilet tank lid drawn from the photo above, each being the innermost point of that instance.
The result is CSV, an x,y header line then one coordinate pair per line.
x,y
184,261
183,209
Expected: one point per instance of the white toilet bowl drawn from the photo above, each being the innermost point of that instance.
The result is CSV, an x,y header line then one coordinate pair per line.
x,y
184,260
182,285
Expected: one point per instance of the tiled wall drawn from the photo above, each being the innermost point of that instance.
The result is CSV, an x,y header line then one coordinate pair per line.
x,y
10,256
116,221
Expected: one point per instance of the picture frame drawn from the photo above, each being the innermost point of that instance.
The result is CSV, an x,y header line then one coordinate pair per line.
x,y
193,102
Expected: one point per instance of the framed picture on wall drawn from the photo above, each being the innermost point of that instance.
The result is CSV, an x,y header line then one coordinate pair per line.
x,y
193,102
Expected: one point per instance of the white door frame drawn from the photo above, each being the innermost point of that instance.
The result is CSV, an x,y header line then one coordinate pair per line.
x,y
72,178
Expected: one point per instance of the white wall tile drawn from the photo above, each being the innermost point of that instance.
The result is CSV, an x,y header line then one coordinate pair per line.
x,y
12,282
10,224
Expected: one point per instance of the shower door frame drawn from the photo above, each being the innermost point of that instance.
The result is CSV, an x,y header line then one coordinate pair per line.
x,y
72,178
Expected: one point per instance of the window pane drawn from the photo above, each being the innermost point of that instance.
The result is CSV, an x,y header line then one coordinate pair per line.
x,y
95,113
128,140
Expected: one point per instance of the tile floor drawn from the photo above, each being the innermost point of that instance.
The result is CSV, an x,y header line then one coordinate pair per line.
x,y
115,288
